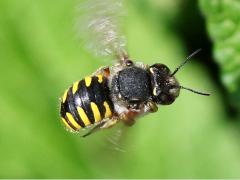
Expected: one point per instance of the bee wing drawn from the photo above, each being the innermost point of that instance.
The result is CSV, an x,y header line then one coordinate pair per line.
x,y
116,139
99,26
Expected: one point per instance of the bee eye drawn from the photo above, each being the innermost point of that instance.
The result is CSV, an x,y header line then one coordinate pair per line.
x,y
164,70
160,68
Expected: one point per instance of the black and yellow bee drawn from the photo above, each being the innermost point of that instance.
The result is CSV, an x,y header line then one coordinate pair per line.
x,y
121,92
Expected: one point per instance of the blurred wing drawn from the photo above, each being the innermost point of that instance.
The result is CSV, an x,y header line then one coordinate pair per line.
x,y
99,26
116,139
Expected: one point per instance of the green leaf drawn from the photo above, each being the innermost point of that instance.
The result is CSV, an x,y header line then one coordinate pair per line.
x,y
223,20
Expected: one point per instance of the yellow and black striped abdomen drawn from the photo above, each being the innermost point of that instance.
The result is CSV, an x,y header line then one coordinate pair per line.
x,y
86,102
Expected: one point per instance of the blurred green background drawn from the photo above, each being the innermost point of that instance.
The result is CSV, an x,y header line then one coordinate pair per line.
x,y
196,137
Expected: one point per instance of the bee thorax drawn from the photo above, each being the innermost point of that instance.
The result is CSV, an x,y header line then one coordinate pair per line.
x,y
131,85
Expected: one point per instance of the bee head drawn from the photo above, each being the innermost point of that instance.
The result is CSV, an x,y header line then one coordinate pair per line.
x,y
165,87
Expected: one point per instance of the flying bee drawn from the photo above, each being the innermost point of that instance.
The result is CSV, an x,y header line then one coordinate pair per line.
x,y
118,93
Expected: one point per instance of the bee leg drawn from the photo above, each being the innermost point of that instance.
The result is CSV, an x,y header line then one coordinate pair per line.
x,y
128,118
110,123
151,107
103,125
96,128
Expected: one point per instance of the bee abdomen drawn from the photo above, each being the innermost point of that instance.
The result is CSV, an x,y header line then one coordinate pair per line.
x,y
86,102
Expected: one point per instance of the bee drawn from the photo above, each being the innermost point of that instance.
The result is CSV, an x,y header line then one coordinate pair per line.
x,y
121,92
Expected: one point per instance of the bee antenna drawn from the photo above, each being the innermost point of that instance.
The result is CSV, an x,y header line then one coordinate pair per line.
x,y
194,91
187,59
